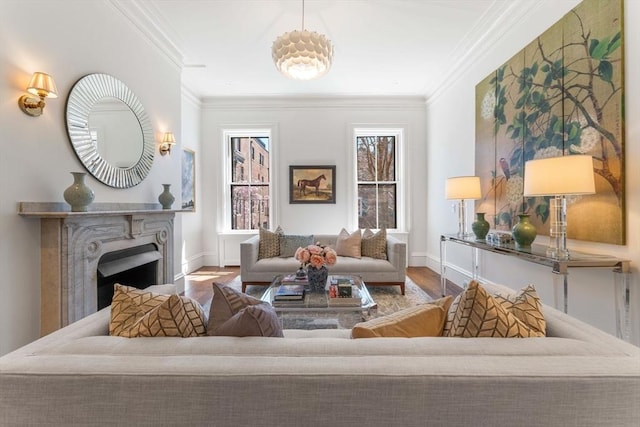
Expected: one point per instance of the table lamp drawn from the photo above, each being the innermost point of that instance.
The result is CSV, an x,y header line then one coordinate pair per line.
x,y
463,188
559,177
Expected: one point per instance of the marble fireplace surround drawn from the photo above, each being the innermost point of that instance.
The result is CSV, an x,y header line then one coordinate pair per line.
x,y
72,243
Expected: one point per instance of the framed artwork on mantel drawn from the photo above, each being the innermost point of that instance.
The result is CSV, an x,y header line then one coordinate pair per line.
x,y
188,180
312,184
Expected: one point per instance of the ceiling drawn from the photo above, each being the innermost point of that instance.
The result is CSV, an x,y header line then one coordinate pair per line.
x,y
382,47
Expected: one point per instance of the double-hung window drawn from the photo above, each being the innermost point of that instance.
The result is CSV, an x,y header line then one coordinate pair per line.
x,y
378,180
248,178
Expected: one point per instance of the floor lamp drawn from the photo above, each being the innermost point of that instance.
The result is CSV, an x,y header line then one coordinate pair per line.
x,y
559,177
463,188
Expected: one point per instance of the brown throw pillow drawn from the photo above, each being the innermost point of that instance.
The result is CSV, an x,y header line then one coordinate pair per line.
x,y
252,321
374,245
349,244
526,306
129,304
269,245
424,320
478,314
225,304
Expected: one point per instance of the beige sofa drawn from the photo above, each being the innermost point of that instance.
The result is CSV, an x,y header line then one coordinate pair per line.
x,y
374,272
78,375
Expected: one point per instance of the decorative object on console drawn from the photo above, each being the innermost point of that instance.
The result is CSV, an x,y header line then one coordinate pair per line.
x,y
524,233
42,85
559,177
480,226
78,194
165,198
168,141
302,55
463,188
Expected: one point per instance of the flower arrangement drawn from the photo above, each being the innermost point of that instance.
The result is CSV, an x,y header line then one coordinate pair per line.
x,y
316,256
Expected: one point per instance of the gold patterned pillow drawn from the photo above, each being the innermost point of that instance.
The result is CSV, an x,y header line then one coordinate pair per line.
x,y
129,304
526,306
269,244
478,314
374,245
424,320
349,244
225,304
169,319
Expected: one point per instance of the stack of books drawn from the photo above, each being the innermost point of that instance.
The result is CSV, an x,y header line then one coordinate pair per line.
x,y
289,294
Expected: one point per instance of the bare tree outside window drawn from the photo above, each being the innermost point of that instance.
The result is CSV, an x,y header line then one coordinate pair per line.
x,y
377,183
249,183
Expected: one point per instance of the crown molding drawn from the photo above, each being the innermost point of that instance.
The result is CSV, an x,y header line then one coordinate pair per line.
x,y
146,19
497,21
368,103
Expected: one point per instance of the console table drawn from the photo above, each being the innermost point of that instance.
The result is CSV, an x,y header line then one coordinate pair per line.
x,y
537,254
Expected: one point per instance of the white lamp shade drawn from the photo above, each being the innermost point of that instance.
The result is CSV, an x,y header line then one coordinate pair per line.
x,y
559,176
463,188
302,55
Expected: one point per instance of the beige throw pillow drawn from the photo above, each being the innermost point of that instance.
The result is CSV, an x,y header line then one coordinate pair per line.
x,y
424,320
374,245
349,244
478,314
526,306
269,245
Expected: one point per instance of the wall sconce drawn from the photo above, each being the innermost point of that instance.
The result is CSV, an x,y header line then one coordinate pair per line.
x,y
167,142
463,188
43,86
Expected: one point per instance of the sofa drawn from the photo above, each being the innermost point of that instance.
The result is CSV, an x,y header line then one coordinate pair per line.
x,y
374,272
79,375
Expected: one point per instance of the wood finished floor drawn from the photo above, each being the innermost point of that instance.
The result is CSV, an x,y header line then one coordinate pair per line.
x,y
198,283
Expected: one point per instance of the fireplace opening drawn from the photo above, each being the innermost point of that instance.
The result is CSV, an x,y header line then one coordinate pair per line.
x,y
137,267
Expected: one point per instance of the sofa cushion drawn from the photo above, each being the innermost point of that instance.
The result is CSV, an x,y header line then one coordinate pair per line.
x,y
225,304
140,313
526,306
252,321
424,320
129,304
349,244
374,245
269,245
475,313
290,243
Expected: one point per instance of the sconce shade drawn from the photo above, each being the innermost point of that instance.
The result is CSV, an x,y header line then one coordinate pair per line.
x,y
559,176
42,84
168,140
463,188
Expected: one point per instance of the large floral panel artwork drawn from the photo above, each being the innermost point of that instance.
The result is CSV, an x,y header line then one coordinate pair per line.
x,y
561,95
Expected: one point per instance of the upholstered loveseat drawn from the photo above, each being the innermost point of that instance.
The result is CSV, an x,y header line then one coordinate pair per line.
x,y
79,375
374,271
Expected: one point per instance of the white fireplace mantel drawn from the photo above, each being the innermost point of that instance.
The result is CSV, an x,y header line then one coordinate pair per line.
x,y
72,243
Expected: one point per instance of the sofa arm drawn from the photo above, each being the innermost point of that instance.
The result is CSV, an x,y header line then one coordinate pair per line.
x,y
397,253
249,254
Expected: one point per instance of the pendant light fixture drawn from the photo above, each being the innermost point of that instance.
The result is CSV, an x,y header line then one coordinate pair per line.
x,y
302,55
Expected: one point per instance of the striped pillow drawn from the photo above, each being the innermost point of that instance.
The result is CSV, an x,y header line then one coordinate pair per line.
x,y
269,245
374,245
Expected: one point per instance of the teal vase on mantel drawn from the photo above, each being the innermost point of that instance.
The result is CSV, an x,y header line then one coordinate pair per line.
x,y
165,198
78,195
481,226
524,233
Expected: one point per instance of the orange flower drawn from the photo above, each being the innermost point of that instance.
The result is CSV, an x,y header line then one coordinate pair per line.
x,y
316,260
331,257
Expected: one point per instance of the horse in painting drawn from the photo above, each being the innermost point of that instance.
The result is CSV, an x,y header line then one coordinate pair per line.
x,y
304,183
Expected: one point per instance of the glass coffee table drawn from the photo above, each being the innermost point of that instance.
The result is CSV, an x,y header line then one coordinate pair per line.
x,y
318,310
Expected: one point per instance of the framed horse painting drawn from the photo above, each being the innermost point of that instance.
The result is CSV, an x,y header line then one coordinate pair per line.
x,y
312,184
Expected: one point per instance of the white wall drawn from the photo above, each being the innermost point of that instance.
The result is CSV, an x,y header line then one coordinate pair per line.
x,y
67,39
311,131
450,120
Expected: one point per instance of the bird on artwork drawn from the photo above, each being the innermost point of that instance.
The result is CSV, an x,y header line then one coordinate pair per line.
x,y
505,168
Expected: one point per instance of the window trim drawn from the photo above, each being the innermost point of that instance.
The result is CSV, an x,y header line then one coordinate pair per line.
x,y
224,201
400,133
